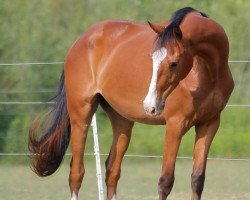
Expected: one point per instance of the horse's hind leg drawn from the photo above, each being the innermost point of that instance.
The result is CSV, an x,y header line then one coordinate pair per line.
x,y
80,119
82,102
122,129
204,136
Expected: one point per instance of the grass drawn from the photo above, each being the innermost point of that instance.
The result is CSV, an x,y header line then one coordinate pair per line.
x,y
225,180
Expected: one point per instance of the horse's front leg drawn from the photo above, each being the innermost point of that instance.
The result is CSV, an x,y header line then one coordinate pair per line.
x,y
173,137
204,136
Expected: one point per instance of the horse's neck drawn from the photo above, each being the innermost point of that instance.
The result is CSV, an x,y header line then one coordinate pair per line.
x,y
202,75
209,47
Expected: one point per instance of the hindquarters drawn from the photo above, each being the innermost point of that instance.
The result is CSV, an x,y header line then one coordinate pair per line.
x,y
82,102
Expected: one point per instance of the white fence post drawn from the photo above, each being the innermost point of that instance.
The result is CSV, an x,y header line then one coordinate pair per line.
x,y
97,158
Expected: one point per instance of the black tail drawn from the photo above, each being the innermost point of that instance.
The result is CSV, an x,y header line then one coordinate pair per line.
x,y
49,136
176,20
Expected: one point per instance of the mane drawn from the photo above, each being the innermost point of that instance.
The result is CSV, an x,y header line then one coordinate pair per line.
x,y
176,20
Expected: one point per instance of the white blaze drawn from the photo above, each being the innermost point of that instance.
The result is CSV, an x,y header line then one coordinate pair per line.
x,y
150,100
114,197
74,196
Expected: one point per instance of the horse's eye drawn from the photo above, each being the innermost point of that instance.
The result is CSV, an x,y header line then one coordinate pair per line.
x,y
173,65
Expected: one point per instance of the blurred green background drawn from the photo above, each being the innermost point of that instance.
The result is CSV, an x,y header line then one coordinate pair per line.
x,y
43,31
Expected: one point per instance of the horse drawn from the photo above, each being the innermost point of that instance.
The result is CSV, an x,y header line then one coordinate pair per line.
x,y
174,73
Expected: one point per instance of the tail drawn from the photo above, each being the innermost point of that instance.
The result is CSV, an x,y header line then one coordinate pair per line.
x,y
49,136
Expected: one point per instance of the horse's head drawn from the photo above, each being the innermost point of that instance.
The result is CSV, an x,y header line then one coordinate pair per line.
x,y
171,63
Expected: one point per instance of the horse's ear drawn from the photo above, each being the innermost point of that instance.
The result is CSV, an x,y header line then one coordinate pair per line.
x,y
156,27
177,32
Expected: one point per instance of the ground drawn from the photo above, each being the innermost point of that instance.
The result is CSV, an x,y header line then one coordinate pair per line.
x,y
225,180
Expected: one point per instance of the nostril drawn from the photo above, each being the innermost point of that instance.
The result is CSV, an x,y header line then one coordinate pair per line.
x,y
153,110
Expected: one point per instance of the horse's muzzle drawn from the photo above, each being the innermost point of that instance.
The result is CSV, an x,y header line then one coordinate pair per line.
x,y
155,109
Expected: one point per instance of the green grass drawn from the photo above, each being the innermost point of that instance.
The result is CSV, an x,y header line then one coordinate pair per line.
x,y
225,180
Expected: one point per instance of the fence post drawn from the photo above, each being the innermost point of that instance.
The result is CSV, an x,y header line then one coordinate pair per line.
x,y
97,159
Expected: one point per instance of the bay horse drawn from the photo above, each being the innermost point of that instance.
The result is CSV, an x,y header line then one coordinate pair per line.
x,y
174,73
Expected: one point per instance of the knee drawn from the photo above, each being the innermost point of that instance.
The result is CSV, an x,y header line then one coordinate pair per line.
x,y
165,185
198,183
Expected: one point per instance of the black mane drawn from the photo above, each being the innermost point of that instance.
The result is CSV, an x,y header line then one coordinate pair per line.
x,y
176,20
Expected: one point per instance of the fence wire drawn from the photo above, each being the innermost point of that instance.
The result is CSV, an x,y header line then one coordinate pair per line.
x,y
31,63
137,156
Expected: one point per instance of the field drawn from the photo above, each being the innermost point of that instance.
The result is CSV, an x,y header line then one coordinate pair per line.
x,y
225,180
